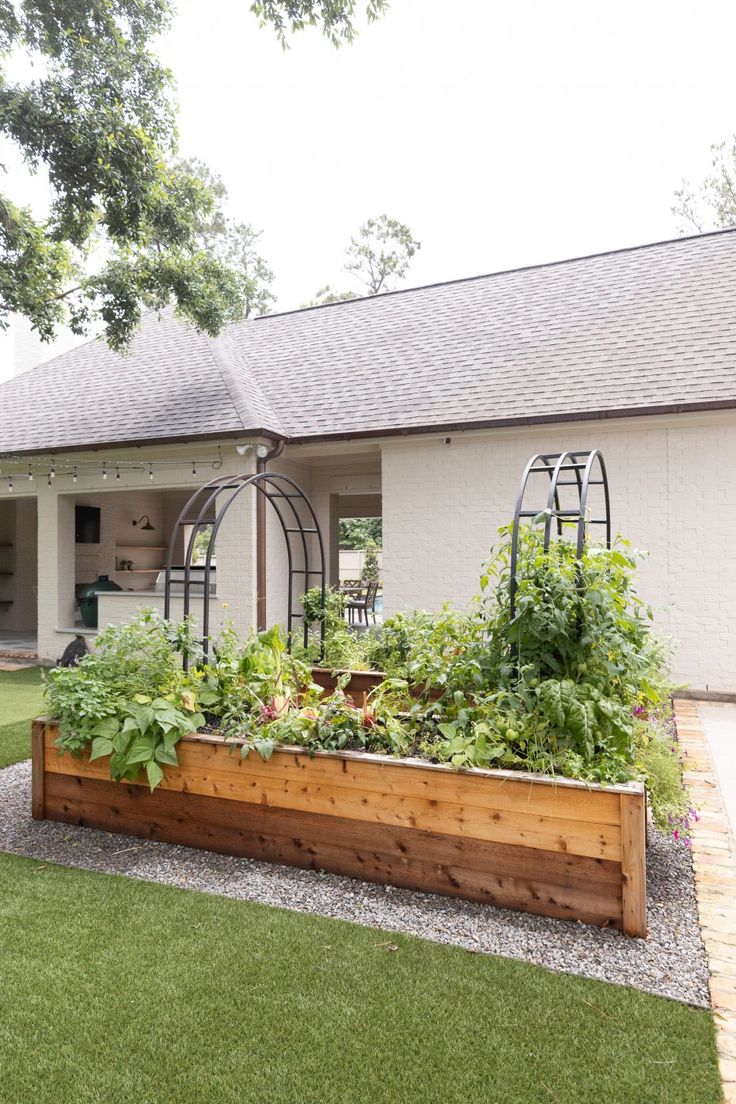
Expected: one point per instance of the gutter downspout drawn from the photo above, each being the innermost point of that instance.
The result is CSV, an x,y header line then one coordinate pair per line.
x,y
261,465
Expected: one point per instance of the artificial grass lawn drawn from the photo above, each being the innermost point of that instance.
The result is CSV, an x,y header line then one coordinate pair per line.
x,y
114,990
20,701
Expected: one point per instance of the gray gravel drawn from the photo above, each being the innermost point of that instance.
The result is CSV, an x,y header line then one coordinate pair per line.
x,y
670,963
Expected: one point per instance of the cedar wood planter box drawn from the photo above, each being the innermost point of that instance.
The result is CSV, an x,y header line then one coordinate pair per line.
x,y
360,685
555,847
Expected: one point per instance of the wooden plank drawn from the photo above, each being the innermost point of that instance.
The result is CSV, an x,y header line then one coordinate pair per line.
x,y
232,783
220,765
413,765
506,876
391,777
38,774
633,865
402,779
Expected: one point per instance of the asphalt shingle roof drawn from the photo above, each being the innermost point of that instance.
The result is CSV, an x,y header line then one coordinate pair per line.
x,y
651,328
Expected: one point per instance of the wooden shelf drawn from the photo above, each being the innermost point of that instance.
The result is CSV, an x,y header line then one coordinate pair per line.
x,y
144,547
6,544
7,573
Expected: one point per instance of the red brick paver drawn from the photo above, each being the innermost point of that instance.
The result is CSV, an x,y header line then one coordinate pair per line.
x,y
714,861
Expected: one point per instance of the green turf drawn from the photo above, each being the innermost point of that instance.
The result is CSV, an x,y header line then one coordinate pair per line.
x,y
117,991
20,701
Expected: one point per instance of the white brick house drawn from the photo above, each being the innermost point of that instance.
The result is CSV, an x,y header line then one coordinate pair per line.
x,y
420,406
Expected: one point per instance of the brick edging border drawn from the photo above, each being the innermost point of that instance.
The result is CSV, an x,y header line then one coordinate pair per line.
x,y
714,863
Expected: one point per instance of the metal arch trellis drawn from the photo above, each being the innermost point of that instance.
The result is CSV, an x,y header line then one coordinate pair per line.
x,y
577,468
285,496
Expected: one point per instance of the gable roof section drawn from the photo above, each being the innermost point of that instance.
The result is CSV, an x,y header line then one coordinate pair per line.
x,y
639,330
650,328
173,384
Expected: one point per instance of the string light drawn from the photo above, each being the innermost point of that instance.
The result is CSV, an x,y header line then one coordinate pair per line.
x,y
36,466
10,484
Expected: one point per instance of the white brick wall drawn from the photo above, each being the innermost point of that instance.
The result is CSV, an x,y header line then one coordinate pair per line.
x,y
673,493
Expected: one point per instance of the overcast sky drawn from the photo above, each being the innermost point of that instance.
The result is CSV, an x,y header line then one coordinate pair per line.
x,y
503,134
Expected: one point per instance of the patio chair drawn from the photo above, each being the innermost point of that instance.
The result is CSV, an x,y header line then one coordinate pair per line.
x,y
366,604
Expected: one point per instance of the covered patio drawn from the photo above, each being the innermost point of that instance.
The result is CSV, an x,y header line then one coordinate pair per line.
x,y
109,515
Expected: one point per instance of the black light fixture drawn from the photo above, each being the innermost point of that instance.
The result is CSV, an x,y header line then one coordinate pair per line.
x,y
148,528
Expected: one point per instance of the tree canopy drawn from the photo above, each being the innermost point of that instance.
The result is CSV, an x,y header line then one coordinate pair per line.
x,y
235,244
378,256
360,532
84,98
713,205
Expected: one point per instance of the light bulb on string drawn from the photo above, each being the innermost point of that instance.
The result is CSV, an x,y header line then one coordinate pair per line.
x,y
52,473
74,476
117,472
150,472
30,474
104,470
194,467
48,481
10,484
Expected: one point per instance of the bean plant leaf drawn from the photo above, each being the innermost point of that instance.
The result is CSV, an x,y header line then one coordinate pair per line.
x,y
155,774
108,727
101,746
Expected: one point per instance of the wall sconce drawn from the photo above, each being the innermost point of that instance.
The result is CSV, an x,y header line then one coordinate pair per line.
x,y
148,528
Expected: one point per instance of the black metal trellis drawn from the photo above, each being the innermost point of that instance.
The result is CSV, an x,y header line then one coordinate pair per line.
x,y
285,497
561,469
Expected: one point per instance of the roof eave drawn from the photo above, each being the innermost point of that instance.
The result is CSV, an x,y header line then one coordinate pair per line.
x,y
510,423
392,431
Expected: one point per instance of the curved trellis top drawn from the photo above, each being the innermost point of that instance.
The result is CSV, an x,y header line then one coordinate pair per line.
x,y
574,470
299,525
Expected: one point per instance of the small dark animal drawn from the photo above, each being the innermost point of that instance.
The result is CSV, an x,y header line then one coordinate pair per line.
x,y
74,652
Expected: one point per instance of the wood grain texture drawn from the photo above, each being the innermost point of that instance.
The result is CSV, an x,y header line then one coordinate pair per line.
x,y
515,841
633,866
364,793
508,876
38,774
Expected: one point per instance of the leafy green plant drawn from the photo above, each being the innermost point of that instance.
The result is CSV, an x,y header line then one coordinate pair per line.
x,y
343,649
138,657
371,572
659,762
145,736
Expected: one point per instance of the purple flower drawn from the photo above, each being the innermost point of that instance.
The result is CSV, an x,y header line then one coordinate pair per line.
x,y
676,834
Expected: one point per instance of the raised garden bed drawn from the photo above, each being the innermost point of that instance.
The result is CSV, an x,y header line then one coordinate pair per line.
x,y
556,847
357,689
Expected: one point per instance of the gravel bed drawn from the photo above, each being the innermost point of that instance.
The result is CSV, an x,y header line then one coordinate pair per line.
x,y
671,962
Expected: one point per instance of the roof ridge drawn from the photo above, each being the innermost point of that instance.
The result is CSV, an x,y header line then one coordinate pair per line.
x,y
498,272
220,347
